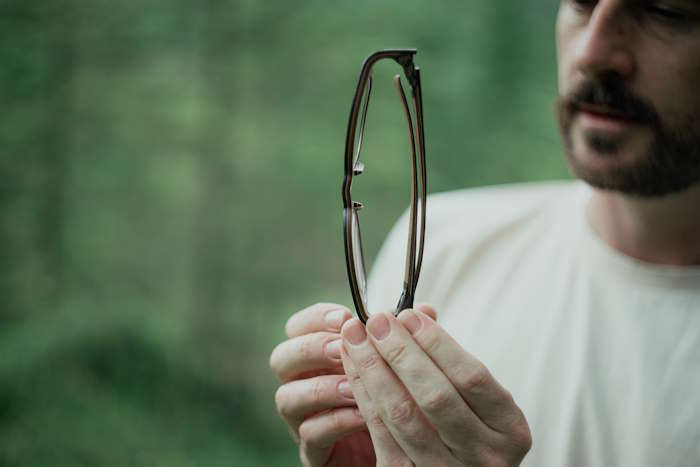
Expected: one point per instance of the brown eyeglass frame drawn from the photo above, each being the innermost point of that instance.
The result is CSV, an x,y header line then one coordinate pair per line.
x,y
353,167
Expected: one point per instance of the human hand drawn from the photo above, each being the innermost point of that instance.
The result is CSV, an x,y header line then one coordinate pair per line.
x,y
428,402
315,399
319,410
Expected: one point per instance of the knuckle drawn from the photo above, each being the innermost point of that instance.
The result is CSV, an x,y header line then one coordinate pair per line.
x,y
281,401
322,432
273,364
274,360
369,362
354,378
318,391
474,379
402,412
507,397
289,326
292,324
374,420
311,347
306,348
307,437
488,457
432,343
522,438
396,354
351,372
335,421
438,401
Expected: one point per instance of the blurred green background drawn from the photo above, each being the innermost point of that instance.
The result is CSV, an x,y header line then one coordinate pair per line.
x,y
170,195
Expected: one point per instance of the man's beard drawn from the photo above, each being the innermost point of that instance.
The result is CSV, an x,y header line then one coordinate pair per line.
x,y
672,161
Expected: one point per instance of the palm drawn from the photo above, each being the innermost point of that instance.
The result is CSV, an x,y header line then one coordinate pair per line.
x,y
353,450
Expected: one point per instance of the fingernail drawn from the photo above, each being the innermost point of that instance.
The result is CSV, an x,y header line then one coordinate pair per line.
x,y
411,322
355,333
335,318
378,326
333,349
345,390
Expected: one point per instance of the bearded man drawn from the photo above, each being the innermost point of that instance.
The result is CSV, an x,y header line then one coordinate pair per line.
x,y
569,312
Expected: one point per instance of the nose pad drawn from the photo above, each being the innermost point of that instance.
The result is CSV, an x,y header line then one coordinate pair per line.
x,y
359,168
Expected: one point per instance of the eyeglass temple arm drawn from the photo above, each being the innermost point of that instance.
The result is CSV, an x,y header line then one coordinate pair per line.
x,y
418,109
406,300
357,165
417,167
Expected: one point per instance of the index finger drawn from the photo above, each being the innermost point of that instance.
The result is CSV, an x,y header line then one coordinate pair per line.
x,y
319,317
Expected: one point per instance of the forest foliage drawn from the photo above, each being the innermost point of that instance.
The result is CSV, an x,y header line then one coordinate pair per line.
x,y
171,195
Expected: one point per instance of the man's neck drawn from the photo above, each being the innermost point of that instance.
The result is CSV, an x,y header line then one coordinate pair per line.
x,y
661,230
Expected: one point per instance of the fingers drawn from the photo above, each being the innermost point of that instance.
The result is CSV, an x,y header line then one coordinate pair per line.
x,y
427,309
319,433
458,427
385,447
313,345
319,317
389,398
486,397
315,400
297,400
307,353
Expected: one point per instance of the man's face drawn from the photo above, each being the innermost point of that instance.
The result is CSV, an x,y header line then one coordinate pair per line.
x,y
629,93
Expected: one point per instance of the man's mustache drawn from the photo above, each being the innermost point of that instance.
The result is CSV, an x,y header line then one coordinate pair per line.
x,y
611,95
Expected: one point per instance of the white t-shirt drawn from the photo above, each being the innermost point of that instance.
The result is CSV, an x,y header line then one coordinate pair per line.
x,y
600,351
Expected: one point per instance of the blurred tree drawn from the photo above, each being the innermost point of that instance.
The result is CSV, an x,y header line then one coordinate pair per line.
x,y
170,194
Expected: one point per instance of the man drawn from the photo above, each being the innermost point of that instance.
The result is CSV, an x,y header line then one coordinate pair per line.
x,y
583,300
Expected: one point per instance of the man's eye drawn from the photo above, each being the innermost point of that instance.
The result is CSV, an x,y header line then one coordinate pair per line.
x,y
667,14
583,5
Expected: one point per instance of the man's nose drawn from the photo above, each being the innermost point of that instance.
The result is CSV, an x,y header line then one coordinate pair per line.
x,y
607,41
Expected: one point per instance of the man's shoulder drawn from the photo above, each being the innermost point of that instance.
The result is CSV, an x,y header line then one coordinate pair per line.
x,y
469,228
507,198
475,210
476,238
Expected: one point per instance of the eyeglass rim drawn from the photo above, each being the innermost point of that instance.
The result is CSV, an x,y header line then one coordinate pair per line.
x,y
403,57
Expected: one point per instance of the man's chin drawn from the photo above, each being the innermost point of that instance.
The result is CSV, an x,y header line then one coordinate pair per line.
x,y
612,163
645,160
622,174
600,171
612,160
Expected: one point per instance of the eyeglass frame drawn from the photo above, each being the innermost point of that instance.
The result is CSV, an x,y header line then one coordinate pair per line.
x,y
353,167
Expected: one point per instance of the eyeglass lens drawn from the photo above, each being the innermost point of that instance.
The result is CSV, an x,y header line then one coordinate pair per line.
x,y
359,256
